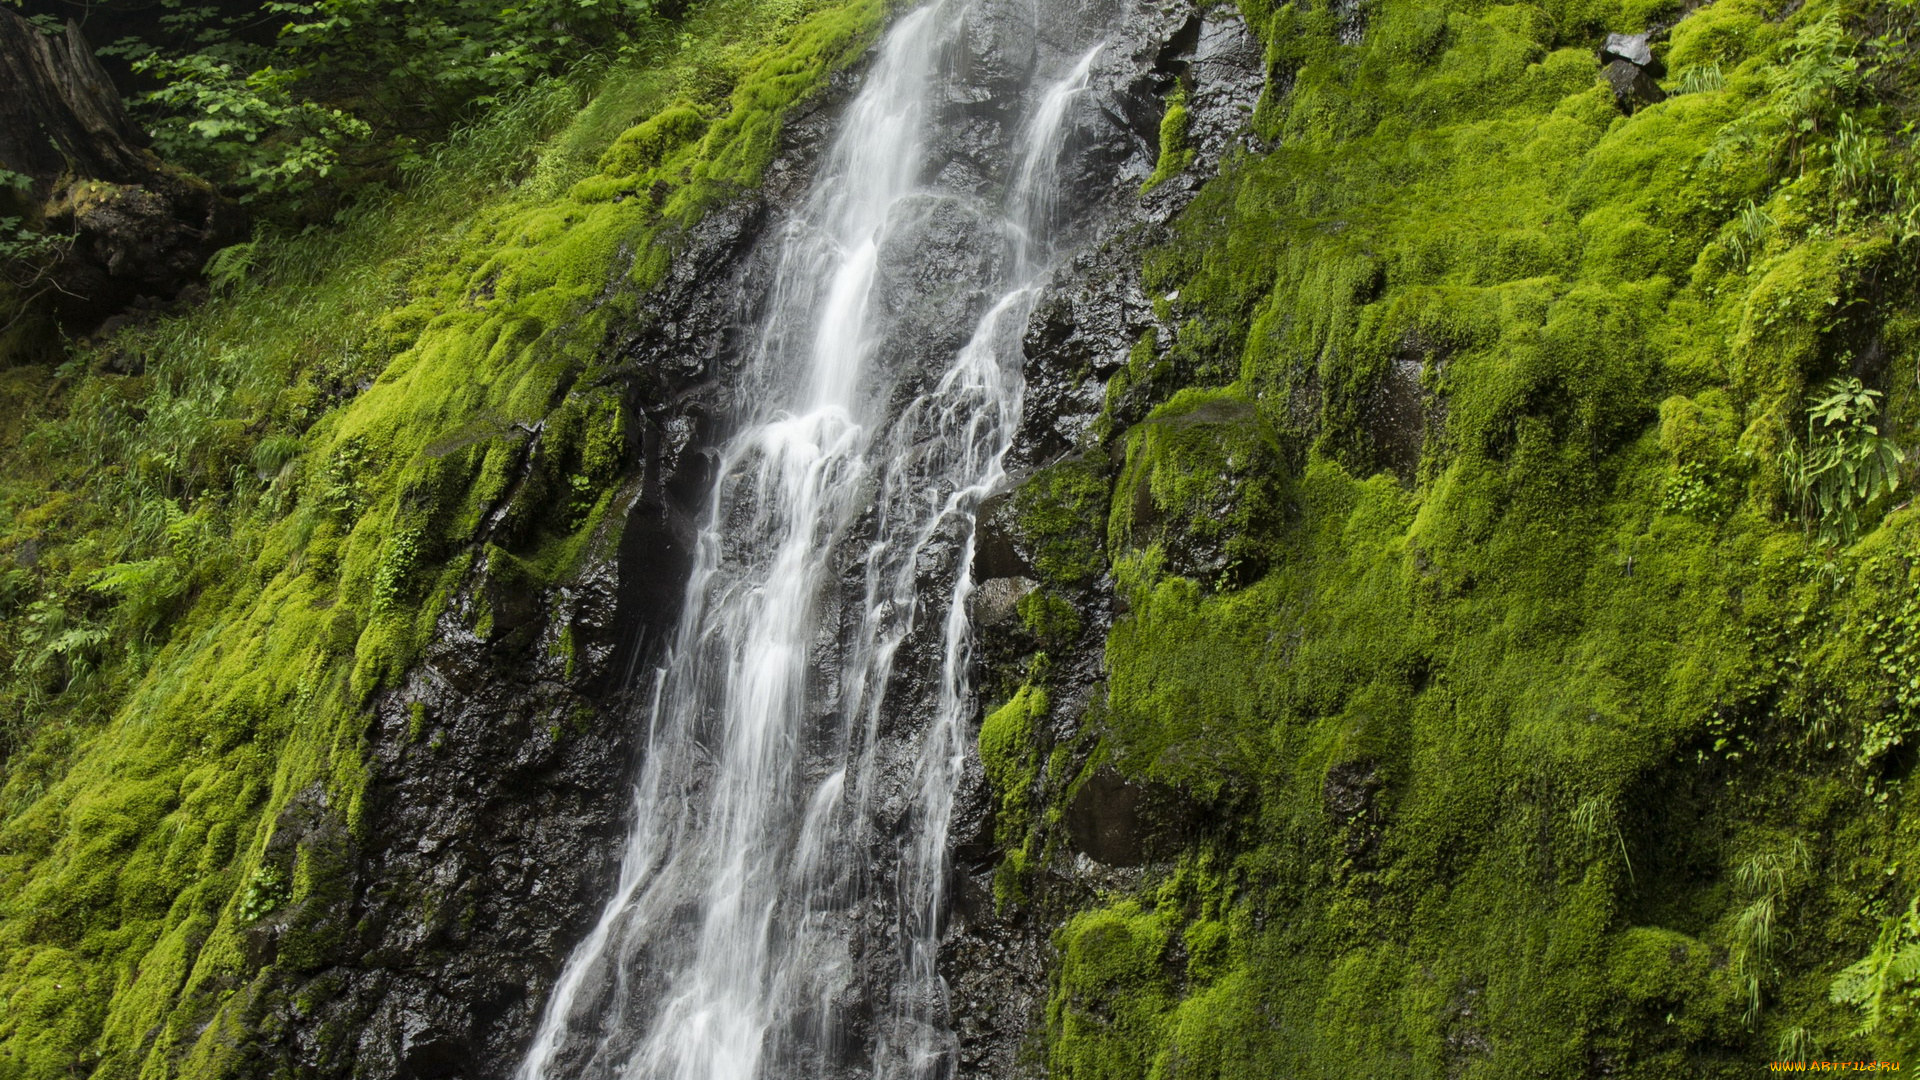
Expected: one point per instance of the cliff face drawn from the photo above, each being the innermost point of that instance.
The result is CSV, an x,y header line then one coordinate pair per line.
x,y
1448,620
499,769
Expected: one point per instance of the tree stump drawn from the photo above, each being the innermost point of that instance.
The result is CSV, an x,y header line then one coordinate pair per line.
x,y
60,112
122,229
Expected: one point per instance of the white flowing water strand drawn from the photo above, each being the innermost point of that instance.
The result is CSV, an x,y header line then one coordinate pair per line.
x,y
966,427
725,948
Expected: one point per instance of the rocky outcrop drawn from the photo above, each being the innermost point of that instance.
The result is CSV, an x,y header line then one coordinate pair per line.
x,y
130,246
1090,319
1629,69
501,767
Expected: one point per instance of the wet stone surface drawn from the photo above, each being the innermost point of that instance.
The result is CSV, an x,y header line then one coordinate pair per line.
x,y
1084,326
503,766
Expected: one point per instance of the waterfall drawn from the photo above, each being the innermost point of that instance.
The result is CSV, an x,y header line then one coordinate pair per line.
x,y
780,897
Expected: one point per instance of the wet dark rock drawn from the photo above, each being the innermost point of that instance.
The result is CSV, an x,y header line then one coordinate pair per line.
x,y
1401,410
997,988
1629,69
927,288
1079,336
996,547
1095,310
995,60
1633,89
1225,68
496,811
1120,822
1227,71
971,835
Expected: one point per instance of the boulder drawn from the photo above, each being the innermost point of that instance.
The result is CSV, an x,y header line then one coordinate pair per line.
x,y
1632,48
996,601
1633,89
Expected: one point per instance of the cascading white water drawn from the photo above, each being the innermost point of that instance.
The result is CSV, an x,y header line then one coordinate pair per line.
x,y
770,823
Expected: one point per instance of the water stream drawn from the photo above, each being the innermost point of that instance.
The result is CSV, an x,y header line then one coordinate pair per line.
x,y
780,897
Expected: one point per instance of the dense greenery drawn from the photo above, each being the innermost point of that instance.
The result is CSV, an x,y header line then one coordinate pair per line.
x,y
1517,563
209,565
292,105
1509,513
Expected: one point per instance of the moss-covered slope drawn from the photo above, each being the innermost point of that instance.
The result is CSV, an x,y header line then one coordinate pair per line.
x,y
223,537
1516,628
1543,704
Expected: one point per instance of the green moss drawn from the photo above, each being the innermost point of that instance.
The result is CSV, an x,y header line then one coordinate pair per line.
x,y
1175,154
1204,476
1060,511
1010,751
1051,620
1520,672
259,534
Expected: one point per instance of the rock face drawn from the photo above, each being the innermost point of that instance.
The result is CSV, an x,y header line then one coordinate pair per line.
x,y
500,793
1083,331
1116,822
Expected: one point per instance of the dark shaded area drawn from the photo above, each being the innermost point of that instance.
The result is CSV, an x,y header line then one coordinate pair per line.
x,y
61,111
122,230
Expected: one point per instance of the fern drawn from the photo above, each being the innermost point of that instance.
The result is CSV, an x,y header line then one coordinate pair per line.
x,y
1821,74
1764,877
146,591
1880,983
1845,464
229,266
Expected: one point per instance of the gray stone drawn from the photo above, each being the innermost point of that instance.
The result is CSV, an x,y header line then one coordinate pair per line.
x,y
1632,48
995,601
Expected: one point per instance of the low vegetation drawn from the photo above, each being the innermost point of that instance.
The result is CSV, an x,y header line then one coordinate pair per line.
x,y
222,532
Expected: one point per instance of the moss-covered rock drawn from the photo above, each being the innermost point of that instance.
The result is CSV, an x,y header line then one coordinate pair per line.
x,y
1460,575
